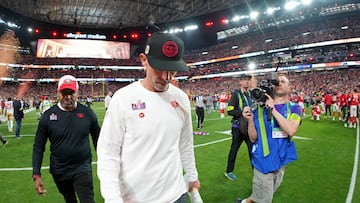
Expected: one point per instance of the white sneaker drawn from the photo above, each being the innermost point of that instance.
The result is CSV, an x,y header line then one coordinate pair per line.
x,y
345,125
350,126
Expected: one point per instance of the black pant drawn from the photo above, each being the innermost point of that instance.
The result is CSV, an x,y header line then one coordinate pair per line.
x,y
237,139
200,116
344,111
328,109
80,184
182,199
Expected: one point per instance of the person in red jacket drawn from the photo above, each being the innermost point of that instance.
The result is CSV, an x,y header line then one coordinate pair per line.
x,y
327,99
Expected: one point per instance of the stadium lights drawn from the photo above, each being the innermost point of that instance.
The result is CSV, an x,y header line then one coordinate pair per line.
x,y
251,66
185,29
30,29
134,36
190,27
291,5
254,14
235,18
238,18
10,24
234,47
306,2
224,21
244,17
344,27
209,24
271,10
176,30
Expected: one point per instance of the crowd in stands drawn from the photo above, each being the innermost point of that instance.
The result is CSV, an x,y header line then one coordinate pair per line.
x,y
29,73
291,35
310,83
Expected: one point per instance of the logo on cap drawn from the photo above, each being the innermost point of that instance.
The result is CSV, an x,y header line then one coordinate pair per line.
x,y
68,81
170,49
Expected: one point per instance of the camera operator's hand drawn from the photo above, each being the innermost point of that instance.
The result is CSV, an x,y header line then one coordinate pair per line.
x,y
269,102
247,113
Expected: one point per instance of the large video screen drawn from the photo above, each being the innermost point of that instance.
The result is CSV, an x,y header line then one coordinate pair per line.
x,y
82,48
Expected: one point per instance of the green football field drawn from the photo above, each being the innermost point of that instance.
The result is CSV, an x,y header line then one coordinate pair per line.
x,y
327,169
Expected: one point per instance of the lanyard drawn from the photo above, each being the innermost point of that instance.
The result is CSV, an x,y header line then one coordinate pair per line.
x,y
262,127
286,110
245,97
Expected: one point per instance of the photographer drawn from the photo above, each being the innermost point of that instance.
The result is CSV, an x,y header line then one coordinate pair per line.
x,y
271,128
239,99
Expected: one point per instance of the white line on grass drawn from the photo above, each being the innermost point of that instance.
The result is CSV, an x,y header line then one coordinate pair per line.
x,y
47,167
213,142
355,167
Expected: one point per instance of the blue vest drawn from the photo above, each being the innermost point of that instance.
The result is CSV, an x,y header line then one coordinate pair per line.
x,y
281,150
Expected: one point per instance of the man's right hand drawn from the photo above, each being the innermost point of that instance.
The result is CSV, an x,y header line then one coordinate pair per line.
x,y
39,186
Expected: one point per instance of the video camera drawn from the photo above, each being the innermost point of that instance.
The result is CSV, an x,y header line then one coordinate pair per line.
x,y
265,86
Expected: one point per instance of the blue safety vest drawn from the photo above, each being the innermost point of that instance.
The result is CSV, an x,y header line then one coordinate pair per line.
x,y
270,154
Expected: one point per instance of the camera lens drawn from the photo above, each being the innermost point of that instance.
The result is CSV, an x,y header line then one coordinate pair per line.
x,y
257,93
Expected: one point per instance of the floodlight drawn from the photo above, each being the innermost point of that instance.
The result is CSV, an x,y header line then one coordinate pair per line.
x,y
291,5
251,66
254,15
306,2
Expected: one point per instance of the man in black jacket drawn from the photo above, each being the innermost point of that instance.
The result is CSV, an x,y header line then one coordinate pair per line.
x,y
18,115
238,100
67,125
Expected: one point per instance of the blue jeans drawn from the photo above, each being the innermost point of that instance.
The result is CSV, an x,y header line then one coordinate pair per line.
x,y
18,127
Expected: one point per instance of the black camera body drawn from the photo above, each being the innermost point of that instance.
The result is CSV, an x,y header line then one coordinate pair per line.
x,y
265,86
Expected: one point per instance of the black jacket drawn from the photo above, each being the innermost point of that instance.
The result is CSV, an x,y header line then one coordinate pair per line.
x,y
68,133
18,110
234,108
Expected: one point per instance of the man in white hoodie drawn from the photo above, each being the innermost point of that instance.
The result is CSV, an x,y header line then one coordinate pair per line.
x,y
146,140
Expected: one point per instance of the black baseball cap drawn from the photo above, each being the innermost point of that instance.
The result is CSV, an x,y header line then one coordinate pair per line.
x,y
164,51
242,76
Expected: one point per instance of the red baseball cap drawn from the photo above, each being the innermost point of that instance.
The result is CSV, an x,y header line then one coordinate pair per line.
x,y
68,82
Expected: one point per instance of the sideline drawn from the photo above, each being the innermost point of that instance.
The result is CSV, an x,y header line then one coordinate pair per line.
x,y
355,168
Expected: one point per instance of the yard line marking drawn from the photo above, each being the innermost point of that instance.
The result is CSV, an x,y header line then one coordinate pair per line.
x,y
26,135
213,142
354,172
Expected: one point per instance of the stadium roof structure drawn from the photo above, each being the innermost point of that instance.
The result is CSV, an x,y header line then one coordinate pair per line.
x,y
116,13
